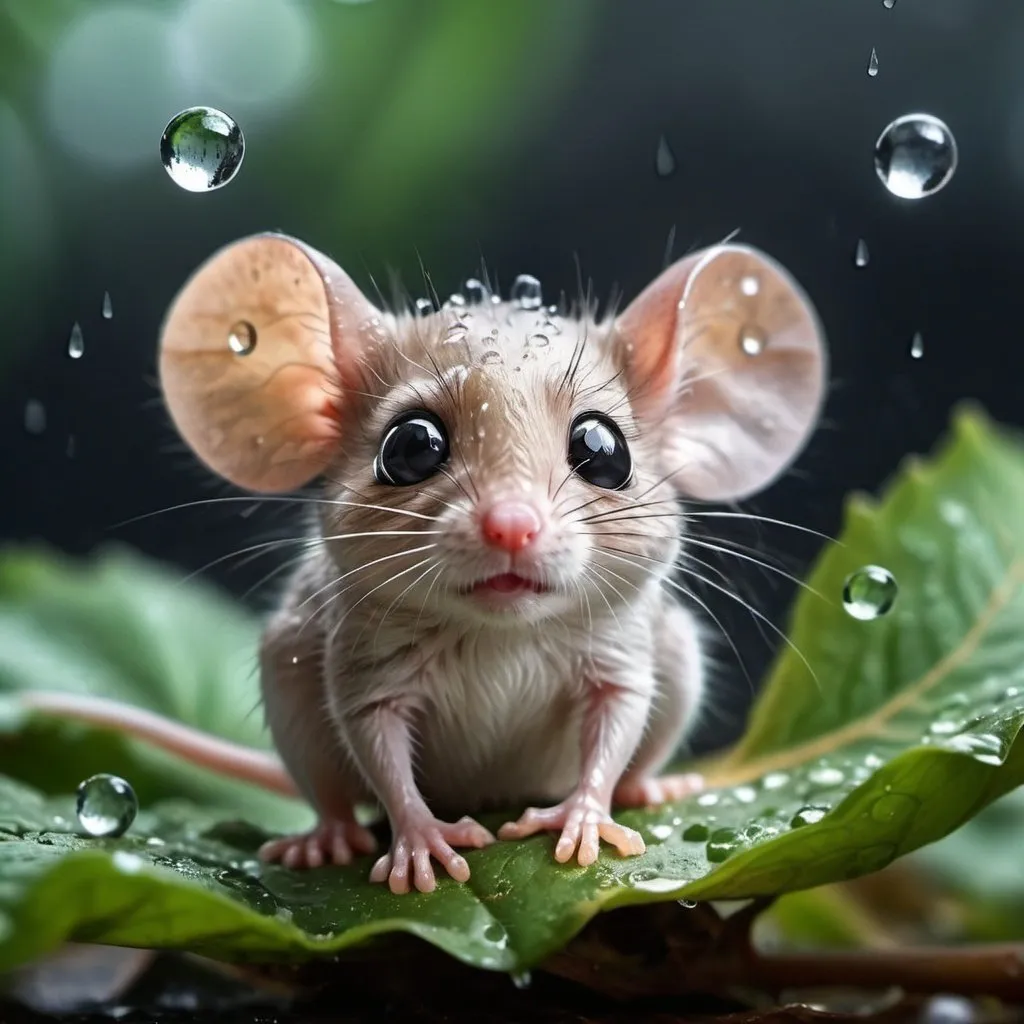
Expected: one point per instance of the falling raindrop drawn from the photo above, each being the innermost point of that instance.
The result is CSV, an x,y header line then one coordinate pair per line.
x,y
665,160
526,292
521,979
915,156
873,63
106,805
869,592
35,416
242,338
108,307
861,256
76,343
916,346
888,4
71,448
202,149
752,339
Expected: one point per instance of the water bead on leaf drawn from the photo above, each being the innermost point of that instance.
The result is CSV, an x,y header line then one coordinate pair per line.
x,y
202,149
106,806
915,156
869,592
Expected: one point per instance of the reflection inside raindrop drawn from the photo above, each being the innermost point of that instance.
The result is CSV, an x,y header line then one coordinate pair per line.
x,y
861,254
108,306
202,149
869,592
915,156
917,346
106,805
873,63
242,338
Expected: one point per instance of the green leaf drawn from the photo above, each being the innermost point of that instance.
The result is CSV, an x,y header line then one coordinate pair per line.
x,y
906,728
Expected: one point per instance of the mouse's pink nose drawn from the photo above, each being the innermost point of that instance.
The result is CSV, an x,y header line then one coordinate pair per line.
x,y
511,525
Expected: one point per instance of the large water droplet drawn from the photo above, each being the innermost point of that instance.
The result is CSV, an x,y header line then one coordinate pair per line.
x,y
664,160
696,833
869,592
242,338
76,343
456,299
526,292
202,149
915,156
873,63
106,805
916,346
888,4
861,256
721,844
35,416
752,339
108,307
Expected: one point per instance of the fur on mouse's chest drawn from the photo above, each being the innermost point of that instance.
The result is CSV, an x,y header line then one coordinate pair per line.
x,y
500,717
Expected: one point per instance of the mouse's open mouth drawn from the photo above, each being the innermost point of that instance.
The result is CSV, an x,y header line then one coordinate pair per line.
x,y
508,583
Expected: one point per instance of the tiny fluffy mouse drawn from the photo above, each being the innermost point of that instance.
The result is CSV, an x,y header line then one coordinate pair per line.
x,y
482,617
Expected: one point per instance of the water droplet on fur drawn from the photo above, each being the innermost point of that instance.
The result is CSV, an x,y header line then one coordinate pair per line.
x,y
752,339
456,299
521,979
808,816
873,63
749,285
76,343
538,341
35,416
861,256
424,307
869,593
915,156
202,149
108,307
665,159
491,358
106,805
526,292
916,346
242,339
476,291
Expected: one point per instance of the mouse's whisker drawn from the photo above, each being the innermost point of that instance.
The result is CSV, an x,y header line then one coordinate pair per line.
x,y
592,572
687,593
423,604
431,566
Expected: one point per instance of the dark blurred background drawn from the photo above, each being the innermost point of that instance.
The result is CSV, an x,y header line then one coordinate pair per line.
x,y
390,132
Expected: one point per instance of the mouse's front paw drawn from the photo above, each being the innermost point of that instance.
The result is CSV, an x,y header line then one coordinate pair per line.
x,y
415,842
584,821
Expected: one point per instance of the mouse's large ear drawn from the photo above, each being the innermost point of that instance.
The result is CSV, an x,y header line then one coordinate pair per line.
x,y
726,358
254,355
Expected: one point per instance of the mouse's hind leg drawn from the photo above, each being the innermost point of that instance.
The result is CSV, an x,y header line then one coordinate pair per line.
x,y
676,700
291,674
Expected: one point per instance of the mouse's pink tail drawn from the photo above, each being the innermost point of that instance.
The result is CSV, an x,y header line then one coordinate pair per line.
x,y
197,747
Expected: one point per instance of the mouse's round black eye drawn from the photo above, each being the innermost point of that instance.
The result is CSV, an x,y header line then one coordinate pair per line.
x,y
413,448
598,452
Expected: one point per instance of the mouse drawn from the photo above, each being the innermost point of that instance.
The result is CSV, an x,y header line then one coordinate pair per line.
x,y
483,615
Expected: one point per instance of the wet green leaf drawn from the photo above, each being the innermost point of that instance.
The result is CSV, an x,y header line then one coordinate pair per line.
x,y
904,730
